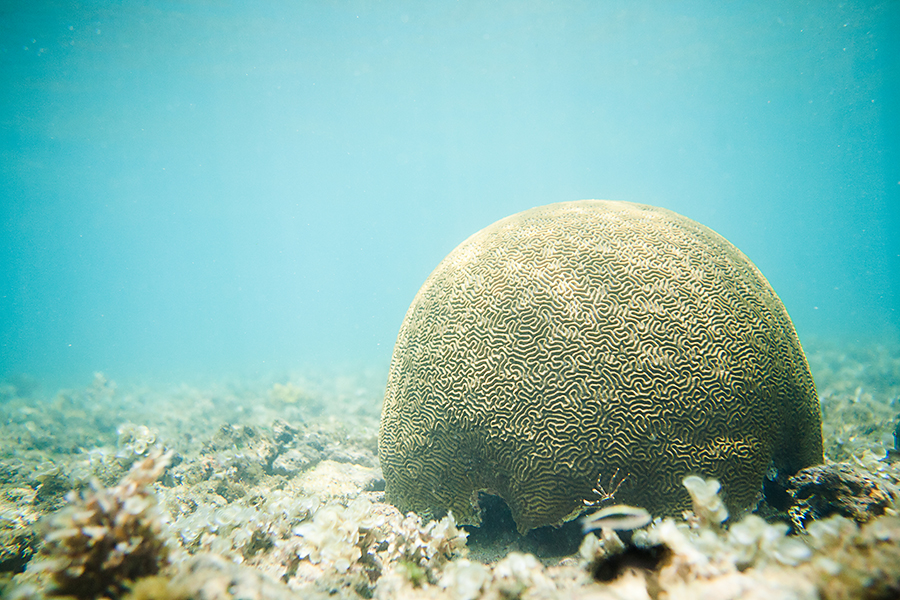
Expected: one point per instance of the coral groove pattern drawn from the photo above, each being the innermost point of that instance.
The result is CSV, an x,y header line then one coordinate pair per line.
x,y
570,340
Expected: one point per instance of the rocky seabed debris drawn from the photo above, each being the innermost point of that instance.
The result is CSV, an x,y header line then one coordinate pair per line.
x,y
116,543
289,507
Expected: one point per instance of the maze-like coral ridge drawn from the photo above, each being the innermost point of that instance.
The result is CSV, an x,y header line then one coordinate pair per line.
x,y
565,342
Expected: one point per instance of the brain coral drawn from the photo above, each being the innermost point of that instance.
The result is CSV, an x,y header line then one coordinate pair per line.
x,y
566,342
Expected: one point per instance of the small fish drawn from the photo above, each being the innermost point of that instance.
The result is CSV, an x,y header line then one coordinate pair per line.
x,y
619,517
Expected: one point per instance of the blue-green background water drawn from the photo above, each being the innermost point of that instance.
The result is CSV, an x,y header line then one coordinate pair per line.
x,y
220,187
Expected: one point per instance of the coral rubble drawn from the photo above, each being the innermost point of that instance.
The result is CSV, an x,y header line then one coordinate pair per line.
x,y
107,538
836,488
269,495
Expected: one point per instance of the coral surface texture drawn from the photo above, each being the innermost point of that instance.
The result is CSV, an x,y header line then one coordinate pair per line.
x,y
572,342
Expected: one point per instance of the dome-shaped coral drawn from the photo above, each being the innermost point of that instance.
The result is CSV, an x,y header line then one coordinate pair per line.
x,y
571,340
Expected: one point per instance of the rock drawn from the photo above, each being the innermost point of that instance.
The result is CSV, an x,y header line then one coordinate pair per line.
x,y
837,488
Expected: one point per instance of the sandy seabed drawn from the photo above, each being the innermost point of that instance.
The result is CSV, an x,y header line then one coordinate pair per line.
x,y
271,489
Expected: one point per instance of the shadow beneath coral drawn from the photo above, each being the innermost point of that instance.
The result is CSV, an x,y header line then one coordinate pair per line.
x,y
497,536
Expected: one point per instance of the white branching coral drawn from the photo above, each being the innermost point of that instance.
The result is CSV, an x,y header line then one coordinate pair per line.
x,y
698,556
855,561
465,580
708,507
518,573
374,540
755,542
236,531
515,576
428,545
336,535
108,537
703,553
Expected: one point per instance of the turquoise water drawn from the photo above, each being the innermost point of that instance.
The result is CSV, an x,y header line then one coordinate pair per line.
x,y
221,187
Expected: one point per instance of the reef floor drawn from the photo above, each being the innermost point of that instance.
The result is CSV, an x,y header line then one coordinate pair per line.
x,y
272,489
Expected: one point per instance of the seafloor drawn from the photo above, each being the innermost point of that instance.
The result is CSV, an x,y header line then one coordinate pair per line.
x,y
271,489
